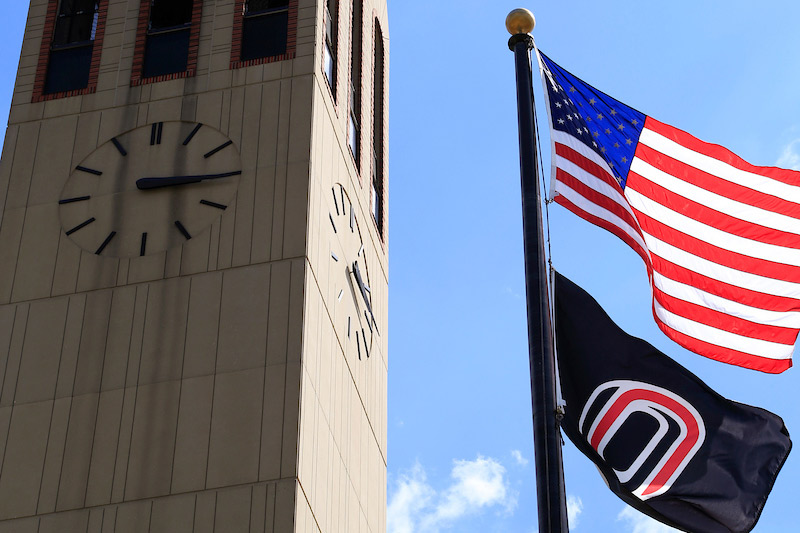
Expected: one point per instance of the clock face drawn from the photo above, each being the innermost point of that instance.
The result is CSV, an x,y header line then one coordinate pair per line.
x,y
352,296
149,189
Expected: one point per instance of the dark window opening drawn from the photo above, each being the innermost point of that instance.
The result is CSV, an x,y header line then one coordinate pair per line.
x,y
355,83
264,29
331,43
72,46
377,132
168,34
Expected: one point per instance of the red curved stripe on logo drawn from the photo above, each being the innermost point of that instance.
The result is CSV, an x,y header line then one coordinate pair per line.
x,y
672,464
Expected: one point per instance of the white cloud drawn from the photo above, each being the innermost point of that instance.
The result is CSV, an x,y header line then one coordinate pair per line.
x,y
476,485
574,510
641,523
519,458
790,158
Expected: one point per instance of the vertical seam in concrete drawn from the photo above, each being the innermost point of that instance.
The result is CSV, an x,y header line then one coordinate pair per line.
x,y
255,172
10,171
99,399
135,397
214,386
180,385
8,356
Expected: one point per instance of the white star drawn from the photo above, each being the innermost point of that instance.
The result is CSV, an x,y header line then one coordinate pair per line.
x,y
603,149
561,121
621,127
594,144
572,89
569,117
558,105
608,131
628,142
586,130
596,134
592,101
600,116
634,122
624,159
613,113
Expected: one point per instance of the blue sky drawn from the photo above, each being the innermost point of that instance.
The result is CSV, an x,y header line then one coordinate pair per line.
x,y
460,437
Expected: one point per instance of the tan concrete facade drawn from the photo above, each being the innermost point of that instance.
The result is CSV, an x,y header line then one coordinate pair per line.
x,y
216,386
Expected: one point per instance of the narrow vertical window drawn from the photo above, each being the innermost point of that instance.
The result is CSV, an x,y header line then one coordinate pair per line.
x,y
264,28
329,56
167,40
168,33
72,46
378,118
354,122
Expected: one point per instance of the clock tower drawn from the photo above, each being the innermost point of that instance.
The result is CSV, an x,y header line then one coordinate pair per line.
x,y
193,268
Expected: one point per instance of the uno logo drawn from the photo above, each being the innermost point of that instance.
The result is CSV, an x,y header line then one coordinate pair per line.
x,y
667,453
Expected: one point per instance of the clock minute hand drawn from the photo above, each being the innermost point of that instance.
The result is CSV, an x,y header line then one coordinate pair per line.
x,y
172,181
362,288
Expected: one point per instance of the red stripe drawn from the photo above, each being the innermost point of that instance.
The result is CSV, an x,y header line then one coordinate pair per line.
x,y
760,300
711,217
587,164
714,184
725,355
725,322
791,177
715,254
597,198
563,201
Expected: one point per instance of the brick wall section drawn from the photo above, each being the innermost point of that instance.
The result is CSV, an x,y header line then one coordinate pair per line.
x,y
141,41
236,40
44,54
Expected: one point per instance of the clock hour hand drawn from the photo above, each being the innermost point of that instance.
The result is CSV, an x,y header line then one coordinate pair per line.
x,y
172,181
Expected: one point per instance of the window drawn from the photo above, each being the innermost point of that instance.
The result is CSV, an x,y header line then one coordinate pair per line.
x,y
263,31
329,56
354,121
264,28
71,46
166,46
378,123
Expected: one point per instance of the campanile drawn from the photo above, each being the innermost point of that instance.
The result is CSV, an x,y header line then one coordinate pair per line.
x,y
193,268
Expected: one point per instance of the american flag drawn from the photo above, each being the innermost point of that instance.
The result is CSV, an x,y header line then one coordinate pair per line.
x,y
719,236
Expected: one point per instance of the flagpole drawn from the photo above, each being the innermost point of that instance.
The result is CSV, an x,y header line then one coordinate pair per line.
x,y
550,492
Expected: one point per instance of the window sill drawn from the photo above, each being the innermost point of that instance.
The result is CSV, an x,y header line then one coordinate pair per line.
x,y
135,82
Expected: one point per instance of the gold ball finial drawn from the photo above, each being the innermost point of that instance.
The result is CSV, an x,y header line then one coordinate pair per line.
x,y
520,21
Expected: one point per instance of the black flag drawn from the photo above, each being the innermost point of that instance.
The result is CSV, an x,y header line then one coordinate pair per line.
x,y
665,442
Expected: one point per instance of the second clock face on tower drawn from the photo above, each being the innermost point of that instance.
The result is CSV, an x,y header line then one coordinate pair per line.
x,y
149,189
352,296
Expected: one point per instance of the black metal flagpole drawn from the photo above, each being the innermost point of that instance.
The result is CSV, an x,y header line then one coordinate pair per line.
x,y
550,493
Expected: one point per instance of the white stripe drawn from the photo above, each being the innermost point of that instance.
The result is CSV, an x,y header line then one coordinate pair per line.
x,y
742,211
710,234
567,139
719,272
599,211
693,295
722,170
593,182
726,339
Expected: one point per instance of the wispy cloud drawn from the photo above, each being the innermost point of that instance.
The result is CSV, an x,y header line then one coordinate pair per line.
x,y
416,507
519,458
574,510
640,523
790,157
